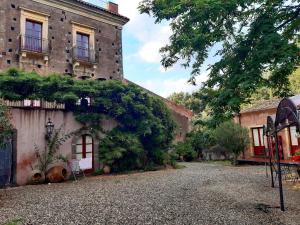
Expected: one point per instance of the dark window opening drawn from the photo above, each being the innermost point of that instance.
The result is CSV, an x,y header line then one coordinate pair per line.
x,y
82,46
33,36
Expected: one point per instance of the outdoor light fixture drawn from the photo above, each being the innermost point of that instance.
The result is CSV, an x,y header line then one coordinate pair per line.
x,y
49,128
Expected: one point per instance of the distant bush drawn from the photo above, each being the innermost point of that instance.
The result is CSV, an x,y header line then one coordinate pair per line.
x,y
186,151
232,137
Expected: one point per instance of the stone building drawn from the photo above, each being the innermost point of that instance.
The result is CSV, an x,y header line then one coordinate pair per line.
x,y
69,37
254,118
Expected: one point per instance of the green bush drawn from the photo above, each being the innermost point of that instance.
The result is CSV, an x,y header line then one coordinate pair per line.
x,y
233,137
121,151
6,128
186,151
200,139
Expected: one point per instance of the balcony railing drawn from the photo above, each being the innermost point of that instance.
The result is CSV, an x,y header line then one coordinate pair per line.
x,y
34,44
84,54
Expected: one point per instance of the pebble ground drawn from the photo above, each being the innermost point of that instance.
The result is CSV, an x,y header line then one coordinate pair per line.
x,y
202,194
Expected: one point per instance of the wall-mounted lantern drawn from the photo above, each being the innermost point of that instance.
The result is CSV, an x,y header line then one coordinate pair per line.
x,y
49,129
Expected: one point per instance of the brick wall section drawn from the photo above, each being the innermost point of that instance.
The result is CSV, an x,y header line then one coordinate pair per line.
x,y
108,43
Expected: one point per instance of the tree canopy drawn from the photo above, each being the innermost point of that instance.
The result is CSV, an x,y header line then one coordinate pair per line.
x,y
257,37
190,101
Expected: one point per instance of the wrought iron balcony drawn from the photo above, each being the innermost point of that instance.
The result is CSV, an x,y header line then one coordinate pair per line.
x,y
34,44
84,54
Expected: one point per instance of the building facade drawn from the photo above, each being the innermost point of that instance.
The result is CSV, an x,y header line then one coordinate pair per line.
x,y
254,118
62,36
69,37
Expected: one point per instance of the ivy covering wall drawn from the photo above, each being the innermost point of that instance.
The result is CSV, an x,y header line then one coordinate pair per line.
x,y
6,128
145,121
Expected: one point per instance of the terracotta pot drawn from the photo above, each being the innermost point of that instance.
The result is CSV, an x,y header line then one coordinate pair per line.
x,y
56,174
106,169
296,158
36,177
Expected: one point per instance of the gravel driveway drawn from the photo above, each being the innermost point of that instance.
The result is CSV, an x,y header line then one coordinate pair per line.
x,y
198,194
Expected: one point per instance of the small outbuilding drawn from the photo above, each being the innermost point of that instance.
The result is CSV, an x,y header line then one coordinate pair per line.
x,y
254,118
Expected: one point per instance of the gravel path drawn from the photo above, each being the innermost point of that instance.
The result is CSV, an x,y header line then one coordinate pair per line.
x,y
207,194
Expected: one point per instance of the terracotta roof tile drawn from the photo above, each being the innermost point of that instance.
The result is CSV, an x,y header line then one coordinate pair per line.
x,y
269,104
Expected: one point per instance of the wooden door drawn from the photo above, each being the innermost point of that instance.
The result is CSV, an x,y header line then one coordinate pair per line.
x,y
258,141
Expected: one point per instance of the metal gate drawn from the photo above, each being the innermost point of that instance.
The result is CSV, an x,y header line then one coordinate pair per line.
x,y
6,161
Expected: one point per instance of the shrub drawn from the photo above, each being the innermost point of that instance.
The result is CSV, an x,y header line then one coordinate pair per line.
x,y
200,139
50,154
6,128
233,137
220,152
186,151
121,151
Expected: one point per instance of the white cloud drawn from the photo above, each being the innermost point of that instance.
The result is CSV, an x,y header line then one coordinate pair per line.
x,y
142,27
165,87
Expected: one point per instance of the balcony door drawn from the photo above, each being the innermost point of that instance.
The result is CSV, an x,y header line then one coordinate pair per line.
x,y
82,45
33,36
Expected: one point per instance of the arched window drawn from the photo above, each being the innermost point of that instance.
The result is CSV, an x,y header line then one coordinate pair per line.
x,y
84,147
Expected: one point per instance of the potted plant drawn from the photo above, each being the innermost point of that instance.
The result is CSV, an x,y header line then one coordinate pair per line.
x,y
296,157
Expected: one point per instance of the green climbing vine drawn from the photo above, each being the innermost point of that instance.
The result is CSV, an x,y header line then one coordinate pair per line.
x,y
140,115
6,128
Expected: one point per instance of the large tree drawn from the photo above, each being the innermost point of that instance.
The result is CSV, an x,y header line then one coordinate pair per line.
x,y
258,37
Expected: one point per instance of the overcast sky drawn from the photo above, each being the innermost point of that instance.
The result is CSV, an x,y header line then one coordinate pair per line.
x,y
142,39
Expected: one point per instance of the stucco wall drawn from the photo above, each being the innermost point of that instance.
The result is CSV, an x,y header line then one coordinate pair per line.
x,y
30,126
258,119
183,126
